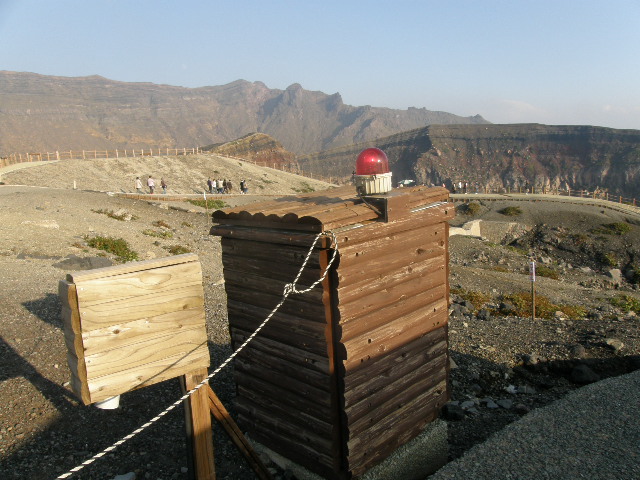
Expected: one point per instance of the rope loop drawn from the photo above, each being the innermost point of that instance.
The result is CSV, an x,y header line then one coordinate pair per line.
x,y
289,288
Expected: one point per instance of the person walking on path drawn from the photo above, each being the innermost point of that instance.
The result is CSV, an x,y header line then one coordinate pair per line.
x,y
139,185
151,184
220,186
163,184
210,185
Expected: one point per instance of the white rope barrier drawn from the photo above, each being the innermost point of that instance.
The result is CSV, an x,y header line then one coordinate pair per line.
x,y
288,290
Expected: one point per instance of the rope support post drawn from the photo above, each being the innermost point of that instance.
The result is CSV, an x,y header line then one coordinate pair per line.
x,y
288,290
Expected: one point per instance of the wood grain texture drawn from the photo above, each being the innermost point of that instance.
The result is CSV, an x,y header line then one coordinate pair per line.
x,y
134,325
126,380
149,350
337,389
197,413
156,281
73,339
129,334
136,308
131,267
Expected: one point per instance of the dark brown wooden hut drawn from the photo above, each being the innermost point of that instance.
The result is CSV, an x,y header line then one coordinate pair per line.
x,y
341,376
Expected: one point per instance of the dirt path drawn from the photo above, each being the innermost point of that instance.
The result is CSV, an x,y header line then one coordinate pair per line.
x,y
186,174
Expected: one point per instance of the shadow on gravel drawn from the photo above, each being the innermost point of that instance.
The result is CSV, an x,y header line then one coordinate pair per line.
x,y
488,396
80,431
46,309
16,366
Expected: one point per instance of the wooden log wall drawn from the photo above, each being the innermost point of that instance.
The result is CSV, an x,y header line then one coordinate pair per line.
x,y
342,376
391,333
286,390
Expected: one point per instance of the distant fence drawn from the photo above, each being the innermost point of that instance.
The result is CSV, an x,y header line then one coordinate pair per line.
x,y
595,194
93,154
14,158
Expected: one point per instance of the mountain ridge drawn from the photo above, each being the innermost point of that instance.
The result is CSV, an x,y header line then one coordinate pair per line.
x,y
503,156
48,113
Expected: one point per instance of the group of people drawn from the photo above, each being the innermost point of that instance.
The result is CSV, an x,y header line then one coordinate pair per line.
x,y
151,184
225,186
461,187
214,186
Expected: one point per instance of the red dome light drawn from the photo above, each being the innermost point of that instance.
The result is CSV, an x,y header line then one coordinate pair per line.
x,y
372,161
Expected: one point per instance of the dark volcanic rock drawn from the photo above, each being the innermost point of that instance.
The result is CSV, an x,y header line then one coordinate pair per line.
x,y
73,262
505,157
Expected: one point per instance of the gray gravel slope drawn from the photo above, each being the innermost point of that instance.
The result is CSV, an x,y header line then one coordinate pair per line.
x,y
591,433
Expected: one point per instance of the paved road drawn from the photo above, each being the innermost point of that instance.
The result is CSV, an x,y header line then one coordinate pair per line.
x,y
521,197
20,166
592,433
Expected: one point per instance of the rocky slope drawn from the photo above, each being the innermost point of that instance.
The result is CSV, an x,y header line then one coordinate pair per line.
x,y
504,156
47,113
255,147
505,363
184,175
587,324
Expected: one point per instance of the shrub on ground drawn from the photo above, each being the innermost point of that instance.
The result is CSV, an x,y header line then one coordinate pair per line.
x,y
116,246
616,228
545,271
161,224
511,211
213,204
544,307
471,208
477,298
626,303
177,249
304,188
123,216
159,234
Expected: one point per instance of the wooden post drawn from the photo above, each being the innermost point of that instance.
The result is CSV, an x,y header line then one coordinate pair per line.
x,y
198,420
235,434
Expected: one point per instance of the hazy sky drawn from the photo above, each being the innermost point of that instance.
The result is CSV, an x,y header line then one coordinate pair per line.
x,y
511,61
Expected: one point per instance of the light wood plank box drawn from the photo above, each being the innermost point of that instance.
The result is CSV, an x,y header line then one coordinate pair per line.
x,y
133,325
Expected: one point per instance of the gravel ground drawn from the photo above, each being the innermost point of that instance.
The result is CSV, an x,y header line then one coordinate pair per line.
x,y
591,433
509,361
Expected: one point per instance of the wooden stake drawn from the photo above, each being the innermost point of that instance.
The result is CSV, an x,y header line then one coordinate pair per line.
x,y
198,420
235,434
